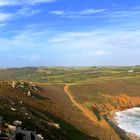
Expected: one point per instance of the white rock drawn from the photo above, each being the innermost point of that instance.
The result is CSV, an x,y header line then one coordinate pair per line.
x,y
29,93
54,125
26,114
13,109
39,137
13,84
12,128
20,102
17,123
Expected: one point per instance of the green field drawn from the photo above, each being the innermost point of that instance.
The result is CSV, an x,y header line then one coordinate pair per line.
x,y
68,74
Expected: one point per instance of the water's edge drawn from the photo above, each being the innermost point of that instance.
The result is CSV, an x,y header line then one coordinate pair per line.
x,y
129,120
123,133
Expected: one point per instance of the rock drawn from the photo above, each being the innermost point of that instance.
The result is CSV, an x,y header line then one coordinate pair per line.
x,y
20,102
39,137
54,125
26,114
11,127
29,93
17,123
13,84
15,131
13,109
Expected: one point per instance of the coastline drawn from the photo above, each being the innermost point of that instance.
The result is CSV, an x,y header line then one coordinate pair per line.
x,y
122,134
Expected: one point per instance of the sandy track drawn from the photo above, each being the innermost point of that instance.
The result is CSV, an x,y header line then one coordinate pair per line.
x,y
90,115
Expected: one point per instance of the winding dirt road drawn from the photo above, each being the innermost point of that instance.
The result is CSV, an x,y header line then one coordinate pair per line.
x,y
88,113
85,111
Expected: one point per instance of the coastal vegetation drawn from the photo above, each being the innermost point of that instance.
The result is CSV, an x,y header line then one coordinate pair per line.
x,y
79,100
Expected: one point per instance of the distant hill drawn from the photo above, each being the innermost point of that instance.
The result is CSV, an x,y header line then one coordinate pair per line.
x,y
67,74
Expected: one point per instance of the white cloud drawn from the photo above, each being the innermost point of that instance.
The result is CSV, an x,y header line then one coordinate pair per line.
x,y
57,12
5,16
84,12
25,39
23,2
91,11
33,57
97,13
95,46
71,36
7,2
105,42
99,41
101,52
23,12
3,24
26,11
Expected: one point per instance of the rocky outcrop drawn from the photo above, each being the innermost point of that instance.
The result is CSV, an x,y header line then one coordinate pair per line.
x,y
115,103
15,132
26,88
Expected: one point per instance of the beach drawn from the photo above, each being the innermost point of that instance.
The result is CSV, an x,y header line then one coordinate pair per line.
x,y
126,123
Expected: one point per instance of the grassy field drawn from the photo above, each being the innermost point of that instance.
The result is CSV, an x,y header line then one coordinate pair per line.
x,y
68,74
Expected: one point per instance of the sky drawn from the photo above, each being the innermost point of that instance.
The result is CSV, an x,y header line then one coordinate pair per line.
x,y
69,33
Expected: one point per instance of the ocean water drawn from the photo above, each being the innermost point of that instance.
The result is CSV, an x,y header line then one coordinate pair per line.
x,y
129,120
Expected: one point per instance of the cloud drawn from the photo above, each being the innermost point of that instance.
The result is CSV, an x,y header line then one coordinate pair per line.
x,y
101,42
101,52
23,12
32,2
33,57
89,47
27,11
7,2
23,2
97,13
97,40
57,12
91,11
3,24
77,13
5,16
97,47
69,36
27,39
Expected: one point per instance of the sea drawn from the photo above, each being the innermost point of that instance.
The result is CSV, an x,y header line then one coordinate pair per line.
x,y
129,120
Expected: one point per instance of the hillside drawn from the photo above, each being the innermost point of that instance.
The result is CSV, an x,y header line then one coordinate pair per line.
x,y
79,100
15,105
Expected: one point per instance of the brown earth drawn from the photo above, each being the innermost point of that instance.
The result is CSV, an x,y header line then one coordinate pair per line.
x,y
103,98
70,111
82,106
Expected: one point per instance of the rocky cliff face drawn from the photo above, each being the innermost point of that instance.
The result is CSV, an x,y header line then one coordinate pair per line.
x,y
115,103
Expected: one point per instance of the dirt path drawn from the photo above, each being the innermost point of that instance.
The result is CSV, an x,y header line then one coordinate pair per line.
x,y
88,113
85,111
